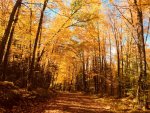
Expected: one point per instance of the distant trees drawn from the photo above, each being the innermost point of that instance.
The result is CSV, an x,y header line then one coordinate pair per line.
x,y
137,34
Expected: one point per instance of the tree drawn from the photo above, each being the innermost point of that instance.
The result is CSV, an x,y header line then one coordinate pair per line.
x,y
35,45
9,43
8,29
141,50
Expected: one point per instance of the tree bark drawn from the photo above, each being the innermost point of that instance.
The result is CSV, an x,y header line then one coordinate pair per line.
x,y
9,44
35,46
8,30
111,76
142,53
83,73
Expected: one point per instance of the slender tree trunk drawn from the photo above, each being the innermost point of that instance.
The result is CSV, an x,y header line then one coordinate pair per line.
x,y
83,73
118,73
111,76
118,65
105,65
122,69
99,78
30,45
35,45
95,78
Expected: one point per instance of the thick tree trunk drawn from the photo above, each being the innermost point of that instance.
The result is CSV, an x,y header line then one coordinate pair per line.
x,y
142,54
8,29
9,44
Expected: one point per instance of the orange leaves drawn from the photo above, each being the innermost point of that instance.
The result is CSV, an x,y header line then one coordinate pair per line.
x,y
111,1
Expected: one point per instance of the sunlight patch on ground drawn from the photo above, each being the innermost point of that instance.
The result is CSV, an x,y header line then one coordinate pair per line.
x,y
55,111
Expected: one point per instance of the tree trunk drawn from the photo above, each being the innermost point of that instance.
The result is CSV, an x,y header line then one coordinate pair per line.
x,y
8,29
111,76
99,78
118,65
9,44
35,46
142,54
83,73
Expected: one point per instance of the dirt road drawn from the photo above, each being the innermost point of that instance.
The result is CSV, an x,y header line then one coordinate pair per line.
x,y
73,103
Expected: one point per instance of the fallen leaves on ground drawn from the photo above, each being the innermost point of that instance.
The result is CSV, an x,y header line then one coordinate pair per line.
x,y
74,103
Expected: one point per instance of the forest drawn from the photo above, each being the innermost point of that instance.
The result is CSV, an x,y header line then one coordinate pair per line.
x,y
74,56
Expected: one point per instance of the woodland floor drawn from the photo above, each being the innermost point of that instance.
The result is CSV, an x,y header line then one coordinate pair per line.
x,y
75,103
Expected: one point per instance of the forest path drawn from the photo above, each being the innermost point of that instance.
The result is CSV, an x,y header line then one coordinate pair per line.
x,y
73,103
66,102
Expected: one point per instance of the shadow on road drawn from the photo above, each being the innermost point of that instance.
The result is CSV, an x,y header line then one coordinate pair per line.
x,y
74,103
